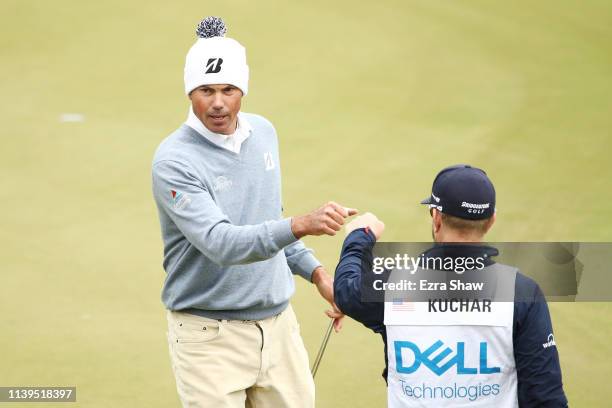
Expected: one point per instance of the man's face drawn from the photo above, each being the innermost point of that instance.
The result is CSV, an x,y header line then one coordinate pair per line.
x,y
217,106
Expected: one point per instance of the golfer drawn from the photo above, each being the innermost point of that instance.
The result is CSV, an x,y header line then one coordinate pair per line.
x,y
229,254
466,353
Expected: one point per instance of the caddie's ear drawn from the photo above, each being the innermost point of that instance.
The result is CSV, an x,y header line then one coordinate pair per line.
x,y
436,220
490,222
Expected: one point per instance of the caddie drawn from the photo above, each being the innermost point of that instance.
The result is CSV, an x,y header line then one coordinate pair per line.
x,y
229,253
456,352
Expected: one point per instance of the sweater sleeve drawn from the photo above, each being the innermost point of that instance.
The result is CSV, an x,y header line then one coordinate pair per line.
x,y
535,352
301,260
187,202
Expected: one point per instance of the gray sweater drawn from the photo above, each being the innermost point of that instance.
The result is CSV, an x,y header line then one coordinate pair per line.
x,y
228,253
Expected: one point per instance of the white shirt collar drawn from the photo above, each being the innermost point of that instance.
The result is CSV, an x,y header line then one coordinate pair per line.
x,y
231,142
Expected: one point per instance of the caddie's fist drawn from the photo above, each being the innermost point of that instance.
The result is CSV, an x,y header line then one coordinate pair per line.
x,y
368,220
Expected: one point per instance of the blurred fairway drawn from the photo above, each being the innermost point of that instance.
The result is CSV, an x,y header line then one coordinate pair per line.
x,y
369,99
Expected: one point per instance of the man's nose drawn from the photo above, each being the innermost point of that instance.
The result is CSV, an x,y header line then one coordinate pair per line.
x,y
218,101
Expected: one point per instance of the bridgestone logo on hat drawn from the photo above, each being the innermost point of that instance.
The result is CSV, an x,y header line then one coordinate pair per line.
x,y
470,205
213,65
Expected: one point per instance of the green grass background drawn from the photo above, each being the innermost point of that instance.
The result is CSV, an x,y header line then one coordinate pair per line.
x,y
370,99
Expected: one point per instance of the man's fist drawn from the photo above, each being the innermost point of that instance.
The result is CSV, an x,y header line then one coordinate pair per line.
x,y
326,220
368,220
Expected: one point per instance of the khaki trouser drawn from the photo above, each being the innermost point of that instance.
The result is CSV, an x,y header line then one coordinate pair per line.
x,y
233,363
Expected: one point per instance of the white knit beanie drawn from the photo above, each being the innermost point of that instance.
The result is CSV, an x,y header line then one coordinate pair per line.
x,y
215,59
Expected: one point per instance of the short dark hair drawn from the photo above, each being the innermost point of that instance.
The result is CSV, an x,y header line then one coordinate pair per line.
x,y
465,226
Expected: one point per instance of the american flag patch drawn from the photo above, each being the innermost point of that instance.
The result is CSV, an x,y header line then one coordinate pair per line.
x,y
399,305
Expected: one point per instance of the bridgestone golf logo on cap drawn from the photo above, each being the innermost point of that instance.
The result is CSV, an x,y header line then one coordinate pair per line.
x,y
475,208
213,65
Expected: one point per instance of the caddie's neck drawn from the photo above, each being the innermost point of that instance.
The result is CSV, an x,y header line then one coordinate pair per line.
x,y
449,235
442,232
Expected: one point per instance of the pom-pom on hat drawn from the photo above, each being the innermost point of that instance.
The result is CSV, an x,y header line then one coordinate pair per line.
x,y
215,59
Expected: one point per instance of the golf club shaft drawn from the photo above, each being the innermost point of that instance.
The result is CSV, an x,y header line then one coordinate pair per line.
x,y
319,357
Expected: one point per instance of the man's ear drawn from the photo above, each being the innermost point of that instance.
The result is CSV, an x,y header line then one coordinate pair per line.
x,y
490,223
436,219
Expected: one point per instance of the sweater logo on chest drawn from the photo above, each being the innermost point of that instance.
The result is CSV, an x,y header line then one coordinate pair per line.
x,y
269,161
222,183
